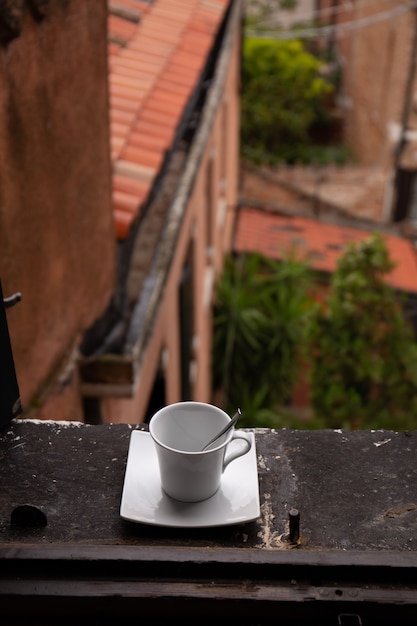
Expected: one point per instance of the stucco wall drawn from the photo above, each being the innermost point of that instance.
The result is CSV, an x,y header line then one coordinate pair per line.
x,y
57,244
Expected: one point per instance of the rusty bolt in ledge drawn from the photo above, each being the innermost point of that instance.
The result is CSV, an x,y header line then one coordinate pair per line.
x,y
294,526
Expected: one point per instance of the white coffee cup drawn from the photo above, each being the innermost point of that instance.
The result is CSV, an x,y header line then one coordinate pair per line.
x,y
179,432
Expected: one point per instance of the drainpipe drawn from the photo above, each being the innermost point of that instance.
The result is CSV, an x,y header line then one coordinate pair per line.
x,y
408,98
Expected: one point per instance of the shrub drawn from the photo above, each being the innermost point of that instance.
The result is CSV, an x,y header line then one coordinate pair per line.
x,y
282,97
362,349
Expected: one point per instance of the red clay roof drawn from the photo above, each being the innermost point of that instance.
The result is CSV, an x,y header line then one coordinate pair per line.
x,y
320,243
157,49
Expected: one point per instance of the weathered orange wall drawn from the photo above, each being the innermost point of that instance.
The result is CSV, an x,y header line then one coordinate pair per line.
x,y
57,243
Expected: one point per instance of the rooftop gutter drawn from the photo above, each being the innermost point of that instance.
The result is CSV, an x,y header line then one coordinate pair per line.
x,y
116,375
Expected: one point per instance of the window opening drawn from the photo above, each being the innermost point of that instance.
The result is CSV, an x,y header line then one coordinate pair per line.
x,y
186,324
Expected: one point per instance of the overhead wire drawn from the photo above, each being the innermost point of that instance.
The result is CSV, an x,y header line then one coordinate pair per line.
x,y
314,14
335,29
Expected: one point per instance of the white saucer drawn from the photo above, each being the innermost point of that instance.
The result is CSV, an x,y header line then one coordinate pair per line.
x,y
143,500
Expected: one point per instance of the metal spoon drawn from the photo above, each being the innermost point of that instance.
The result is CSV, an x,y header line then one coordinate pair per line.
x,y
228,426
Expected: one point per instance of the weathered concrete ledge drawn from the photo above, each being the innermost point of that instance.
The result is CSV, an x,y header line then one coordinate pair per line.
x,y
353,490
356,494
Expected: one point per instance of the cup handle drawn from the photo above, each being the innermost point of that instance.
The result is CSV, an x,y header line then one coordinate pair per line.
x,y
238,450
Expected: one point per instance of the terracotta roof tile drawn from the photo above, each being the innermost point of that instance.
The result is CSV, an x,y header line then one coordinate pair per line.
x,y
149,114
168,94
179,68
122,223
118,131
161,132
196,43
117,144
187,60
120,27
143,156
175,83
148,142
168,107
135,171
119,116
113,48
162,31
125,202
129,185
320,243
152,47
119,103
133,81
137,95
157,49
130,58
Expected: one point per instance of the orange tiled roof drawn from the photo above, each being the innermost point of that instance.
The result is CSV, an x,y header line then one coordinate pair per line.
x,y
157,49
322,244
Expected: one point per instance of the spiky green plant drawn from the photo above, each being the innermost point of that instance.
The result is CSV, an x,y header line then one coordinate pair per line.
x,y
260,313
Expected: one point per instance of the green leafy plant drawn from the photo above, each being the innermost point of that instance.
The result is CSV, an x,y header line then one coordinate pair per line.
x,y
362,350
282,98
355,338
259,319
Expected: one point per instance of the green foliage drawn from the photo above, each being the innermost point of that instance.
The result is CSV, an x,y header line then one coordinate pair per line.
x,y
259,319
301,153
362,350
360,347
282,98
